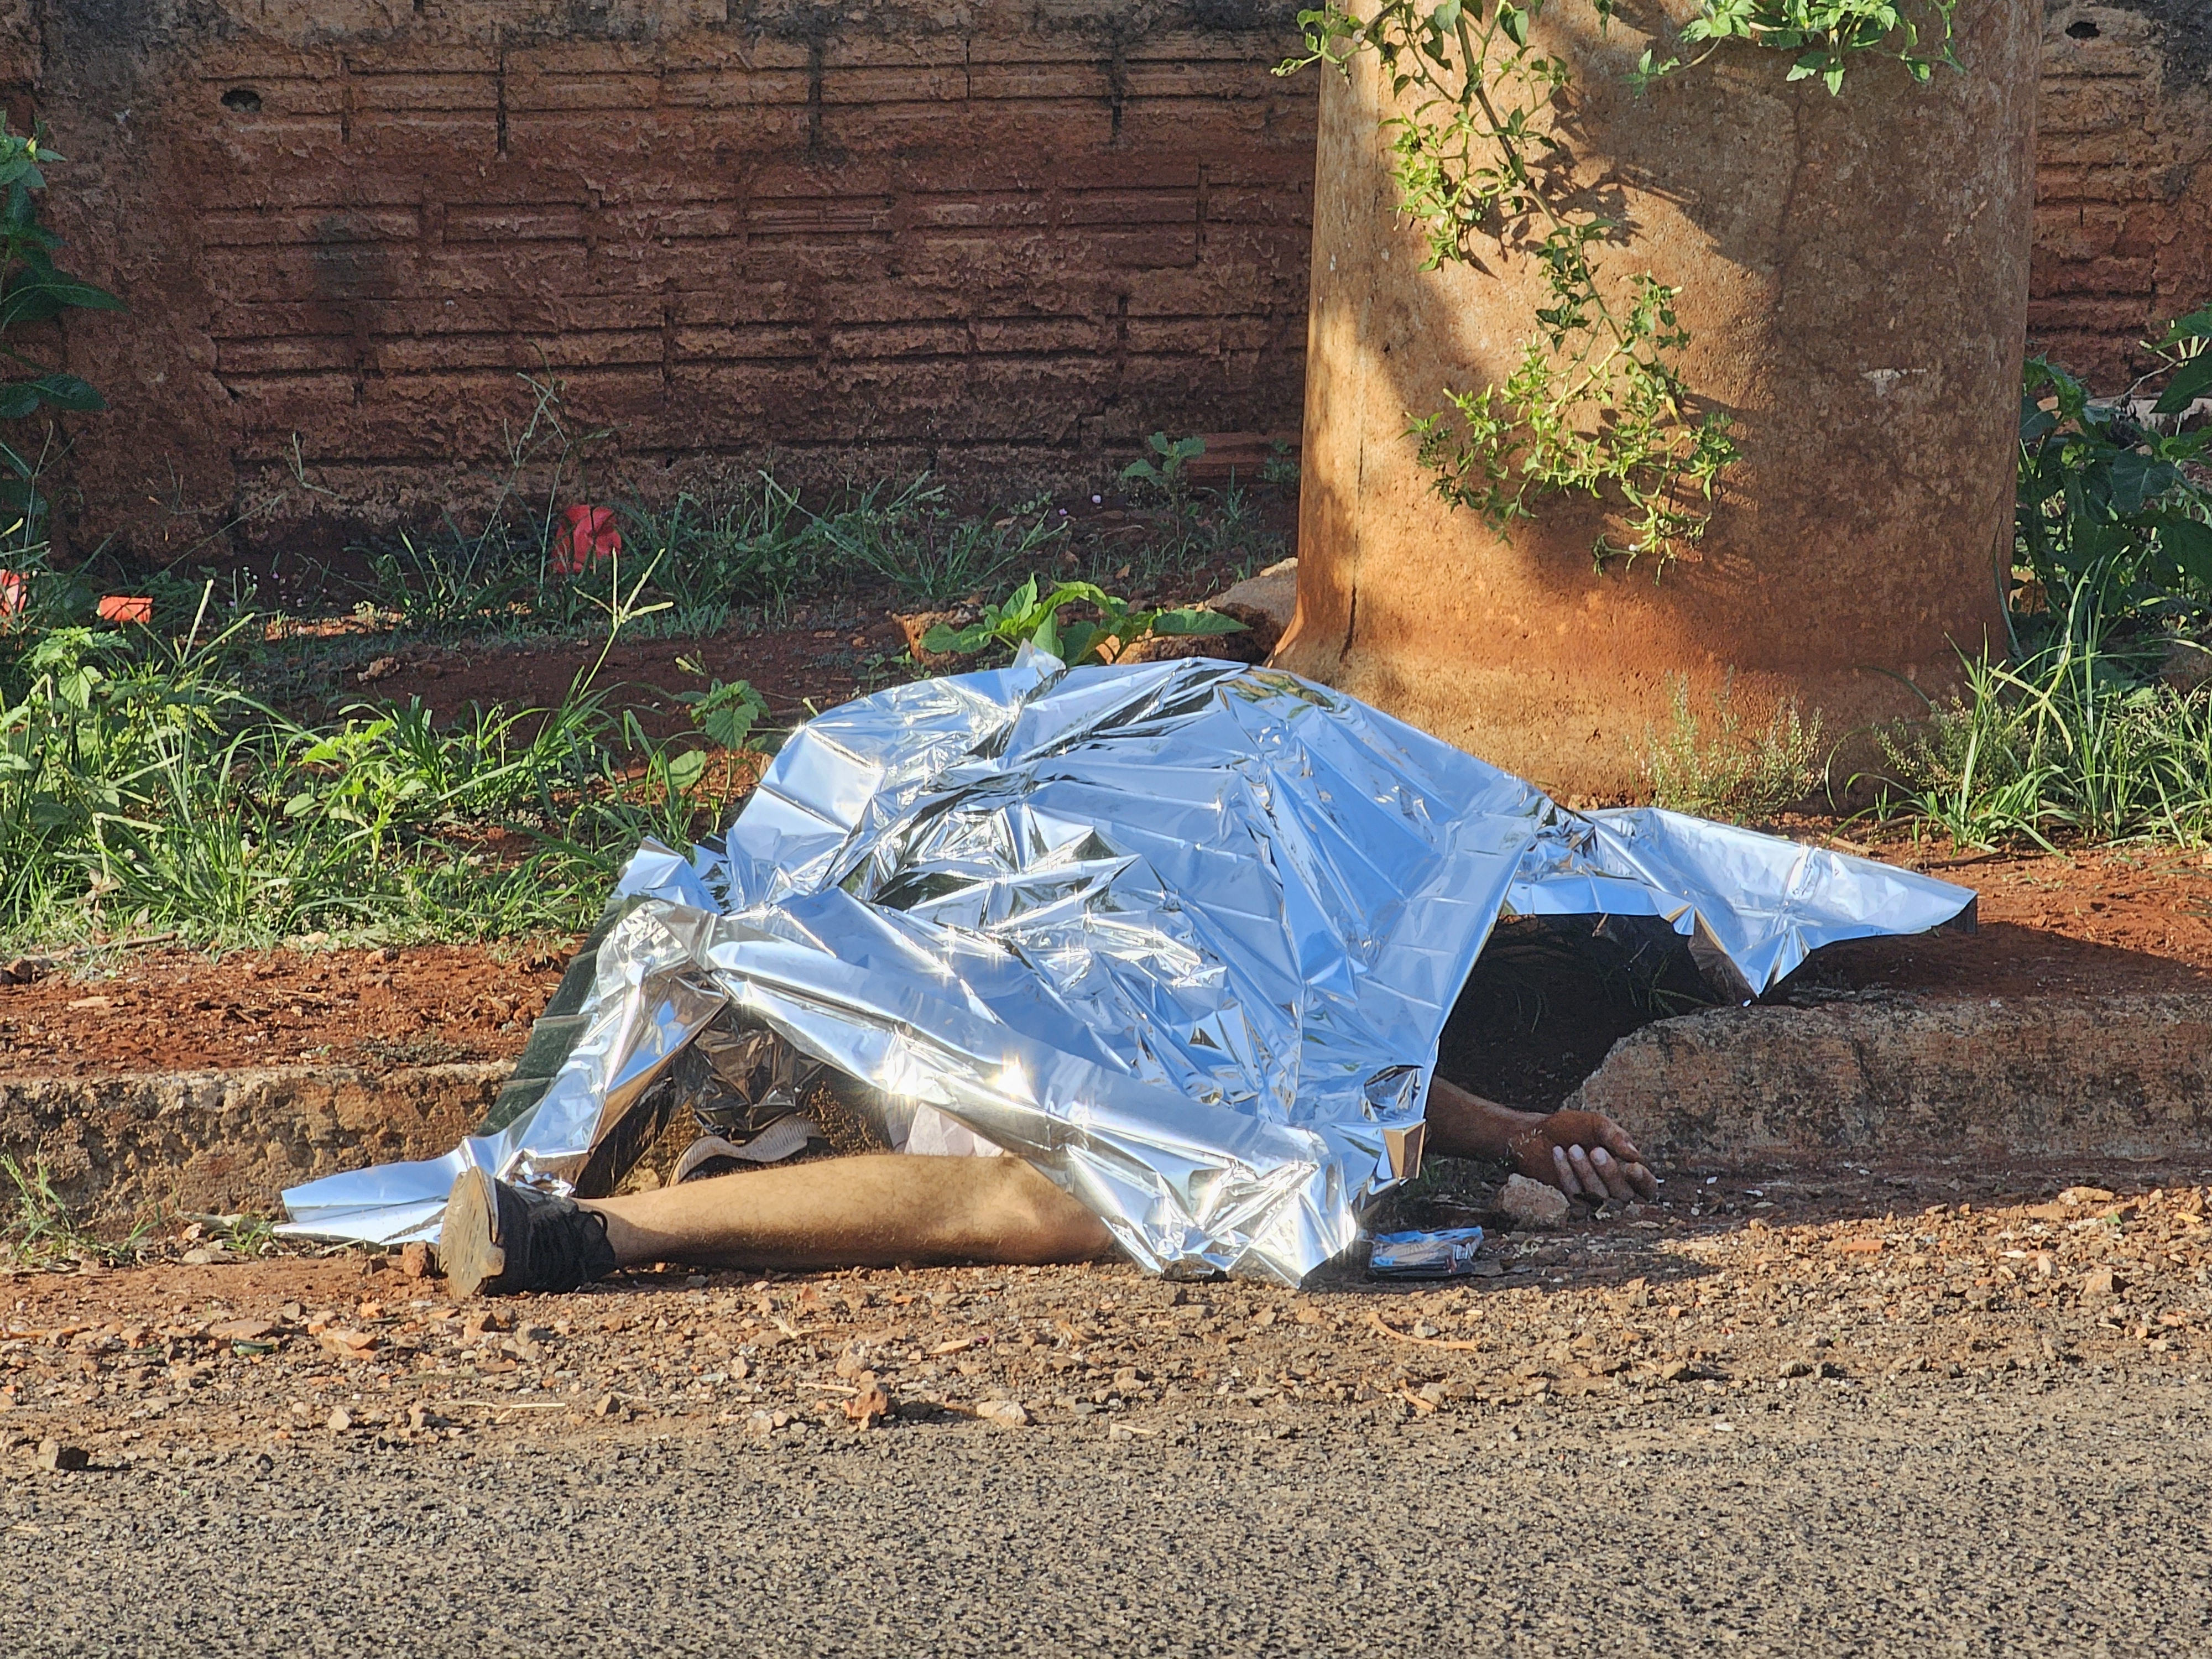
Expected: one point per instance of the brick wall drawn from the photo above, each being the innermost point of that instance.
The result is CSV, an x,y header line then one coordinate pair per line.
x,y
2124,213
1003,241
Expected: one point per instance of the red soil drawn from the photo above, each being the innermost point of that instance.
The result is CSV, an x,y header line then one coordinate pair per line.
x,y
2096,922
178,1010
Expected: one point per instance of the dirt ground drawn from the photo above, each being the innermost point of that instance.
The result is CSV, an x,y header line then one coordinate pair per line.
x,y
1887,1408
166,1009
1740,1286
820,662
1821,1408
816,657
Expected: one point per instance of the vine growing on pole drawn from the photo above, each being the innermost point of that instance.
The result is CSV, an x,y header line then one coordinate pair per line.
x,y
1597,404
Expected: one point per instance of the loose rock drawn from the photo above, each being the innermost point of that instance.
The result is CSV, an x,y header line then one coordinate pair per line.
x,y
59,1459
1533,1204
865,1406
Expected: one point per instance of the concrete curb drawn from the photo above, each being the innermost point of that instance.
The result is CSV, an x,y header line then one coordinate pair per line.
x,y
2125,1075
134,1145
2117,1076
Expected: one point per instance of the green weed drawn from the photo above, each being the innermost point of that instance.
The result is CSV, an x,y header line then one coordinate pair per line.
x,y
1028,617
2078,734
2071,738
2106,491
757,548
1727,770
929,554
37,1229
34,290
1166,472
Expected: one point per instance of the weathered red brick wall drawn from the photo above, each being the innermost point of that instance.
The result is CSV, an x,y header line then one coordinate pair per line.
x,y
2124,218
1002,242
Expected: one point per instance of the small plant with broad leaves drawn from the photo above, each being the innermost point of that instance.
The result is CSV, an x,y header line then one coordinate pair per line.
x,y
34,290
1166,471
726,714
1029,617
2105,494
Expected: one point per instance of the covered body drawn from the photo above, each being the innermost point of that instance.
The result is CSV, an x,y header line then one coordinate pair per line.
x,y
1183,935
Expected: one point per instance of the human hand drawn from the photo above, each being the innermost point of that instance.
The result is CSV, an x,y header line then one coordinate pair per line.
x,y
1584,1155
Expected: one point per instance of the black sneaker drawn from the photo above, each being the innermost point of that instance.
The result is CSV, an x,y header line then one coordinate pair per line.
x,y
499,1239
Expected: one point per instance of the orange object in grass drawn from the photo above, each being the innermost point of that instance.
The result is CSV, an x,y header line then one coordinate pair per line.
x,y
12,596
591,537
126,608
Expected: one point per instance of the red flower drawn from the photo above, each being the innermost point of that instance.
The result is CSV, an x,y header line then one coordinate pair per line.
x,y
591,537
124,608
11,592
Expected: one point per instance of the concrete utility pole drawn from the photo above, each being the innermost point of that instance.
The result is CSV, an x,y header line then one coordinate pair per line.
x,y
1854,273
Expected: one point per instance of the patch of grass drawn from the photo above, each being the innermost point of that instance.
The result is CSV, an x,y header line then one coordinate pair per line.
x,y
2075,738
929,555
516,568
1724,768
141,787
36,1227
169,776
756,549
2097,726
246,1233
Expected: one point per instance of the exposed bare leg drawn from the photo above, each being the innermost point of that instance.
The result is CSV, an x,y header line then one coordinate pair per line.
x,y
886,1208
873,1210
1584,1154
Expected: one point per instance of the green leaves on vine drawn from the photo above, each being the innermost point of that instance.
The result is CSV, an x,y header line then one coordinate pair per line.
x,y
1826,34
1502,443
1597,406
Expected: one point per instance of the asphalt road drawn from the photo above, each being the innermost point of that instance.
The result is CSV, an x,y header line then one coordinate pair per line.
x,y
2014,1522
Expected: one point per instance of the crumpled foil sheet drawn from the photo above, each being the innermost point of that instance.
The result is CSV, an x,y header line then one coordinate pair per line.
x,y
1183,935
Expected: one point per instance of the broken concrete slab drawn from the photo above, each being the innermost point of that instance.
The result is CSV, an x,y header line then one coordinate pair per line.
x,y
131,1147
1264,604
2126,1075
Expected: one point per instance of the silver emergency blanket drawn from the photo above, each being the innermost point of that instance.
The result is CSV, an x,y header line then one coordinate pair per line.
x,y
1183,935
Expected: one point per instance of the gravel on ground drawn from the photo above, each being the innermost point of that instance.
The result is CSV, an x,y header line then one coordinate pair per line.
x,y
1954,1407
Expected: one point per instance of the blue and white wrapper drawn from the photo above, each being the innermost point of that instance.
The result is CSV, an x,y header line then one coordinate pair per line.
x,y
1446,1255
